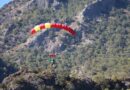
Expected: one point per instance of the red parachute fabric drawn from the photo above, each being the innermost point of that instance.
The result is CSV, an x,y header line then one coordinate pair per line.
x,y
53,25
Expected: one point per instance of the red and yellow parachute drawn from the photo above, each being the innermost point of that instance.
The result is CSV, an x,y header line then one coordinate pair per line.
x,y
52,25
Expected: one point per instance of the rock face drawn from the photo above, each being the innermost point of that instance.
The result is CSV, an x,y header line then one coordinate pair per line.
x,y
29,80
42,80
24,80
45,4
101,7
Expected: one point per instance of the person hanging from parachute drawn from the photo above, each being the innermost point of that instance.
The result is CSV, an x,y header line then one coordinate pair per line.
x,y
45,26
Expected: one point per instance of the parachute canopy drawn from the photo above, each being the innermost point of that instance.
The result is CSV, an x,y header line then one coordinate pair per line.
x,y
52,25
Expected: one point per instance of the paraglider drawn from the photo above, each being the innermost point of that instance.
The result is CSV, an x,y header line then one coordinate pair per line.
x,y
45,26
52,25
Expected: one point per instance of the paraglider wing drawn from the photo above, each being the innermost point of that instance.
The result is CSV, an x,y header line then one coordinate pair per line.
x,y
53,25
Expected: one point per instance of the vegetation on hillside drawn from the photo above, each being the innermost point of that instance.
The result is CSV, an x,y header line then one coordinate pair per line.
x,y
107,57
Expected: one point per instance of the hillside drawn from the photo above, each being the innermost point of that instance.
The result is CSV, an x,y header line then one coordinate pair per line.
x,y
100,50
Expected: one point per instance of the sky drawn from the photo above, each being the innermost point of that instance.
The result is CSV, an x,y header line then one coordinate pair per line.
x,y
3,2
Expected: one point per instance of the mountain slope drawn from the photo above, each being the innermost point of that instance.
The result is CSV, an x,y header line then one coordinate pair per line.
x,y
100,50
